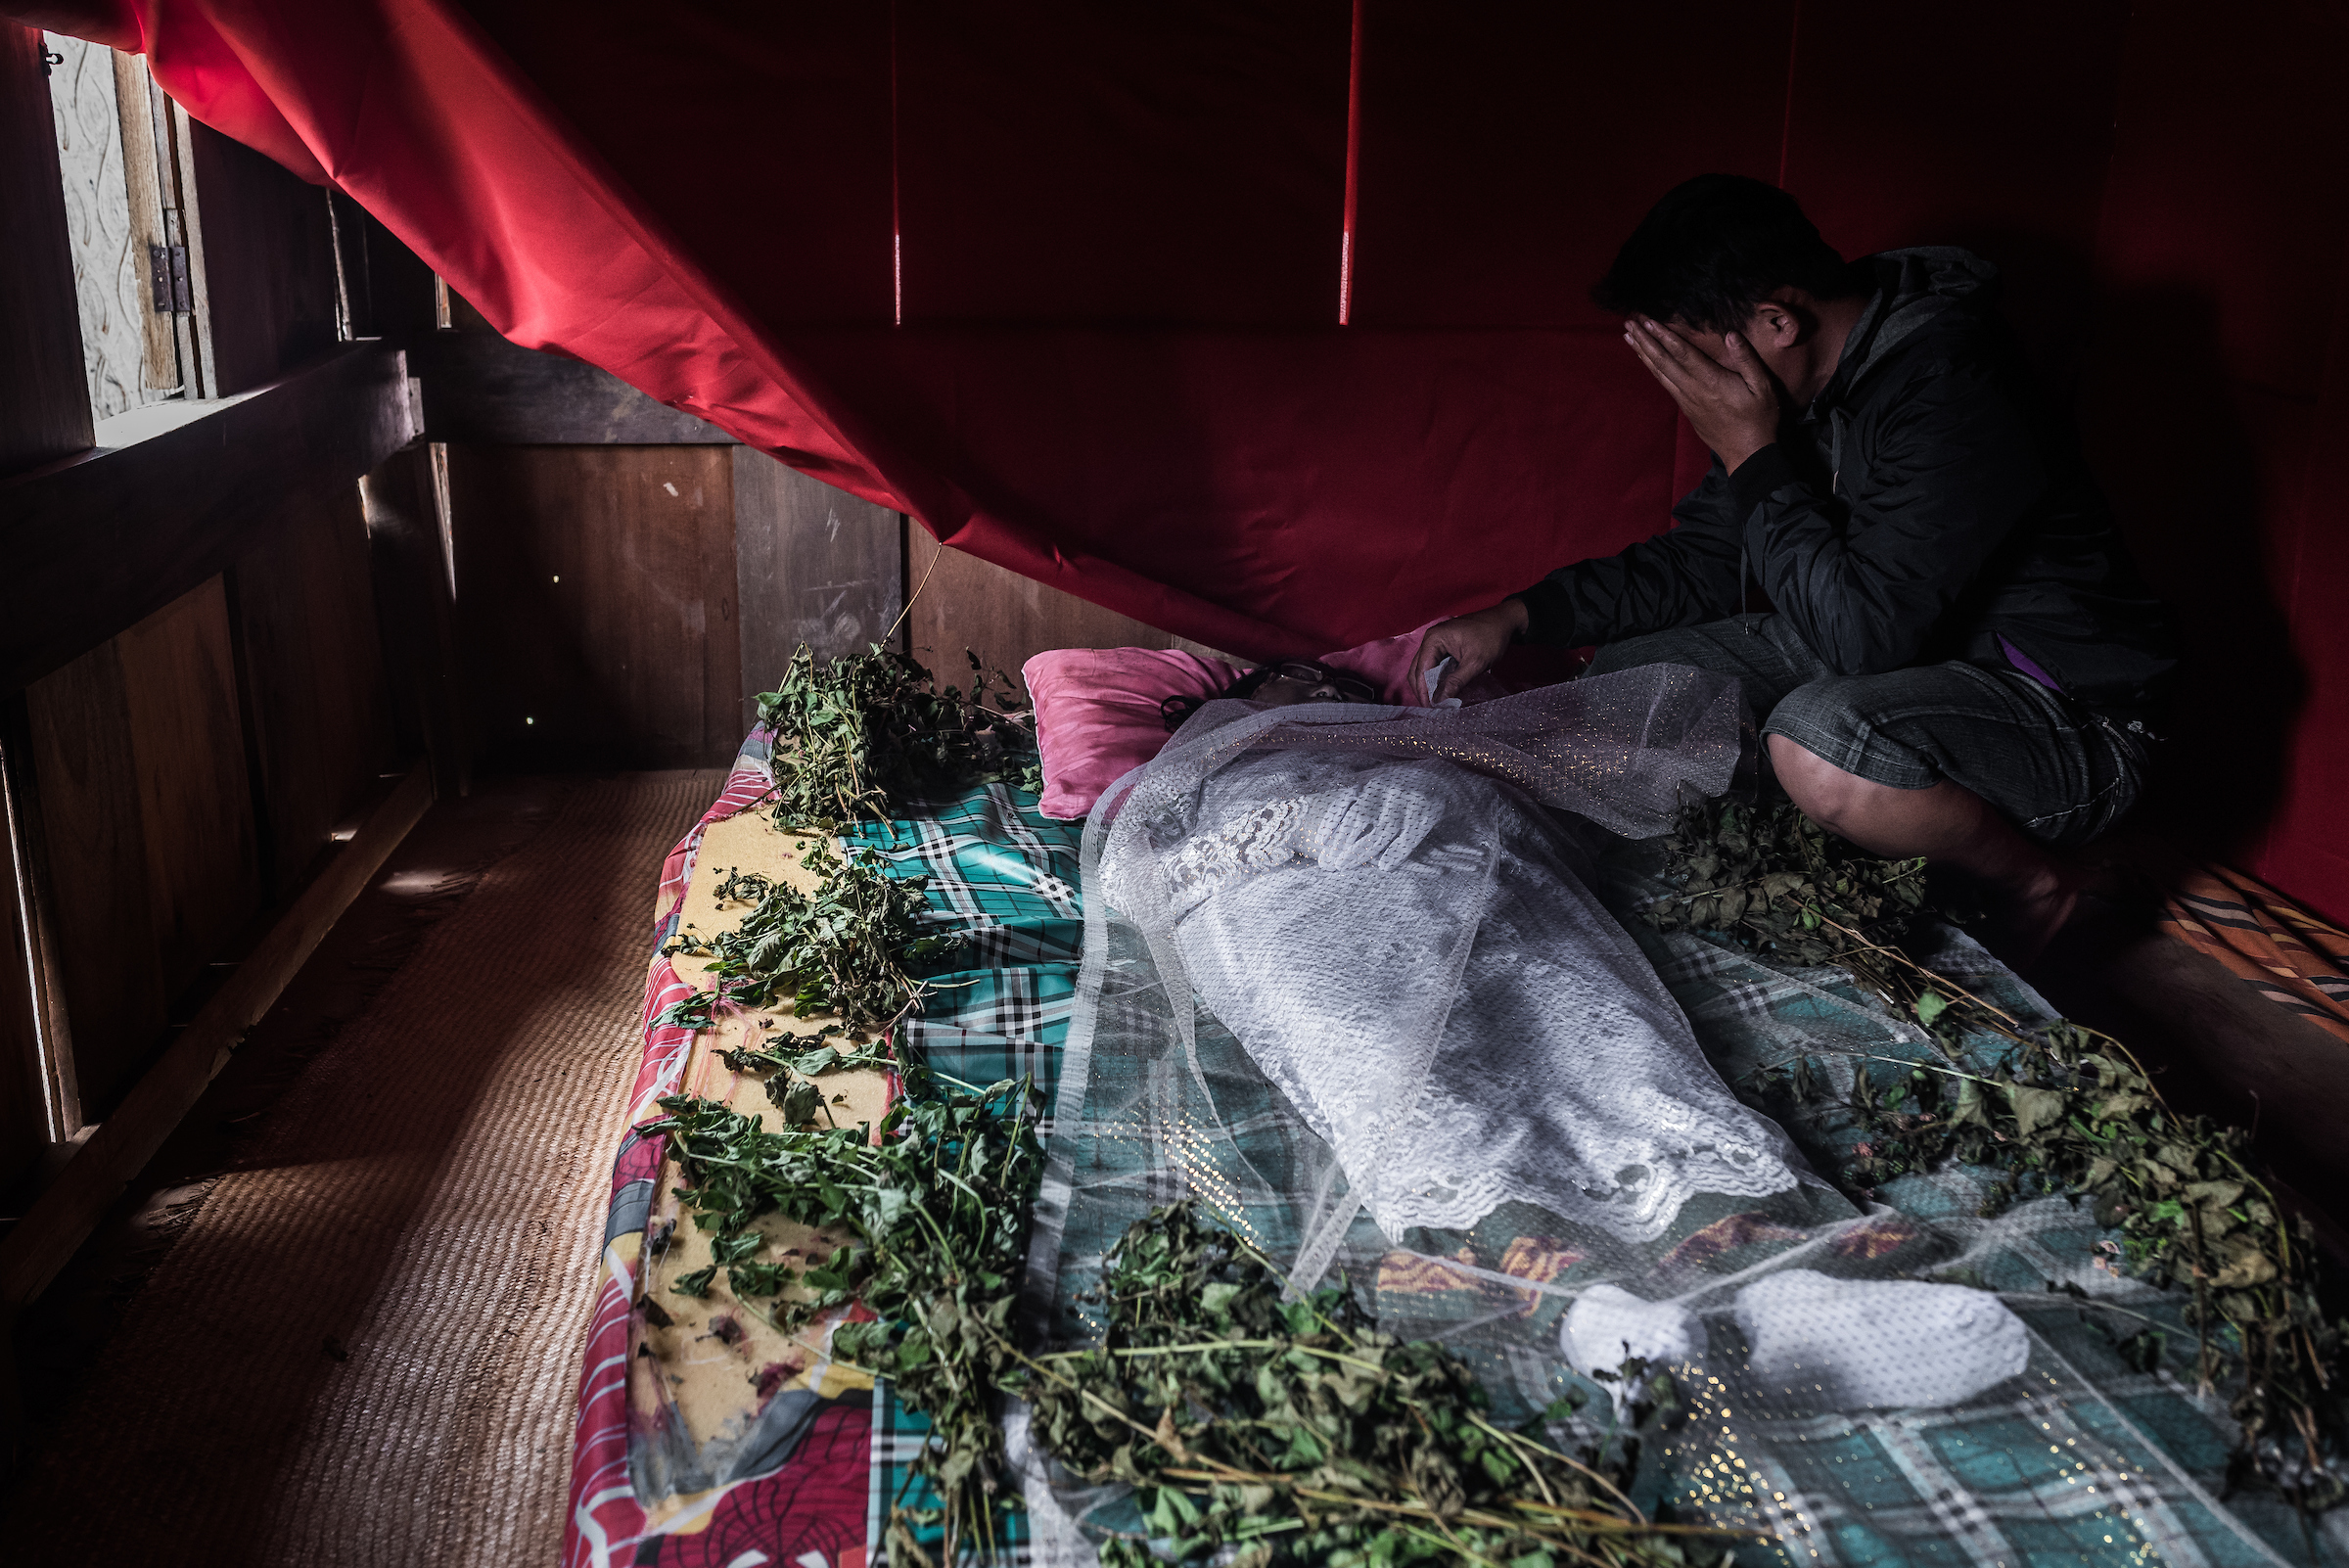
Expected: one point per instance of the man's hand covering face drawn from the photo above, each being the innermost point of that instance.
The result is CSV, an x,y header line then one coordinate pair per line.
x,y
1731,404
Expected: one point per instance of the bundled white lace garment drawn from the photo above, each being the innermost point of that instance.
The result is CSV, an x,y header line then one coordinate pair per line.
x,y
1408,951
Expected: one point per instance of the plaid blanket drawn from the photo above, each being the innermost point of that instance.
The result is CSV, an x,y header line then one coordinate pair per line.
x,y
2091,1456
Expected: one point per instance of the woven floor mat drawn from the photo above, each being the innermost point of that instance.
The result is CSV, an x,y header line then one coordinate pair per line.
x,y
365,1347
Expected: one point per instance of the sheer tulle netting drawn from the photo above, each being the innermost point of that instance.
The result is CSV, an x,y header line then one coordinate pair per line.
x,y
1357,906
1346,983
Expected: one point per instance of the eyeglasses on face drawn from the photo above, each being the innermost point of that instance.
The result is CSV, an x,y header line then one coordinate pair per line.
x,y
1353,688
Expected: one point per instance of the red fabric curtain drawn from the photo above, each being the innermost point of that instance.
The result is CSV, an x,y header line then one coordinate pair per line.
x,y
1060,280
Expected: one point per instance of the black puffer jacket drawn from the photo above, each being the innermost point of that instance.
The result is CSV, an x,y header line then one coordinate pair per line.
x,y
1926,504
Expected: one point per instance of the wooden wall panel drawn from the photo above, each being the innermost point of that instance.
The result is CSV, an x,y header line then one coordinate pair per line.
x,y
313,674
482,390
595,604
44,401
195,795
266,263
813,565
93,841
146,828
961,602
97,545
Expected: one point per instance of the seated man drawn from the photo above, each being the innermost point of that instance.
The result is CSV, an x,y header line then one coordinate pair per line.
x,y
1954,655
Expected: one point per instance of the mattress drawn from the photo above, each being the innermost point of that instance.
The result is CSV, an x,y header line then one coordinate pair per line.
x,y
741,1451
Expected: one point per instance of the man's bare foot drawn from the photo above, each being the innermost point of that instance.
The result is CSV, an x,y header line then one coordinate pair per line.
x,y
2036,912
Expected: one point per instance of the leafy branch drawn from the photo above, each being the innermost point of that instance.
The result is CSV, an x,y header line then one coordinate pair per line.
x,y
860,733
941,1193
1263,1431
844,948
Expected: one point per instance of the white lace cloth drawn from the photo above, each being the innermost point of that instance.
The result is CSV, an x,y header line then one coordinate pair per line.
x,y
1408,951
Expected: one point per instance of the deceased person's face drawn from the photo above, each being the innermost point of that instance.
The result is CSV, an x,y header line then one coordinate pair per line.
x,y
1301,680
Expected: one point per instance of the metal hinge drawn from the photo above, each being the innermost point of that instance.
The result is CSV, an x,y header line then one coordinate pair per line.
x,y
167,277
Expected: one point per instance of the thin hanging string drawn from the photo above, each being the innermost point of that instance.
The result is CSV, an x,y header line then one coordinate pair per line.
x,y
916,595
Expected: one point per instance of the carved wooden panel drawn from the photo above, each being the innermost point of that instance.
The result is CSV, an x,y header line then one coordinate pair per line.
x,y
111,274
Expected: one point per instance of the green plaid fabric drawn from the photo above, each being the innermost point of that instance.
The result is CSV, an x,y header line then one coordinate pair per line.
x,y
1004,879
2090,1461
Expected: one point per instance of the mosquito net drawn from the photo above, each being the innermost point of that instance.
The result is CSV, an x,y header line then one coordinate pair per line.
x,y
1347,982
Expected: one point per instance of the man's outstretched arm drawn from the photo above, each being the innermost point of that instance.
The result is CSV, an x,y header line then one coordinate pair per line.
x,y
1678,579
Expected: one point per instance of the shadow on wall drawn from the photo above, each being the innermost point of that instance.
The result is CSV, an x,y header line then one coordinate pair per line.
x,y
2197,497
2049,293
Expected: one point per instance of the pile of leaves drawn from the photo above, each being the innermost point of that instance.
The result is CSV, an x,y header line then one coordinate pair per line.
x,y
857,735
1259,1431
1287,1431
2055,1110
939,1194
845,949
1774,880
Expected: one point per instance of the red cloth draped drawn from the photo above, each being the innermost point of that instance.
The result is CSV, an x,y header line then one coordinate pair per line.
x,y
1120,370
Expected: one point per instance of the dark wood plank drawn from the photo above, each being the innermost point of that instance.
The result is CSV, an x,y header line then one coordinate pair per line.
x,y
480,389
44,401
93,841
352,274
417,616
961,602
142,172
98,543
66,1212
812,564
595,603
312,670
183,214
25,1123
198,848
267,265
34,907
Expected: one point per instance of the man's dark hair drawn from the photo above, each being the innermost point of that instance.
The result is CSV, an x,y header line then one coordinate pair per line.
x,y
1713,249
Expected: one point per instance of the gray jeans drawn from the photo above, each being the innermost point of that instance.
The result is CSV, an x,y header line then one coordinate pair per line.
x,y
2050,766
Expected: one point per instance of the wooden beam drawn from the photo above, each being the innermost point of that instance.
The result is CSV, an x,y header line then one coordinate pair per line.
x,y
62,1217
41,1105
97,544
44,397
480,389
812,564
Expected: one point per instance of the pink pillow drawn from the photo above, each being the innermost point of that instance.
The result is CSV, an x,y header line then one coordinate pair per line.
x,y
1097,709
1097,715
